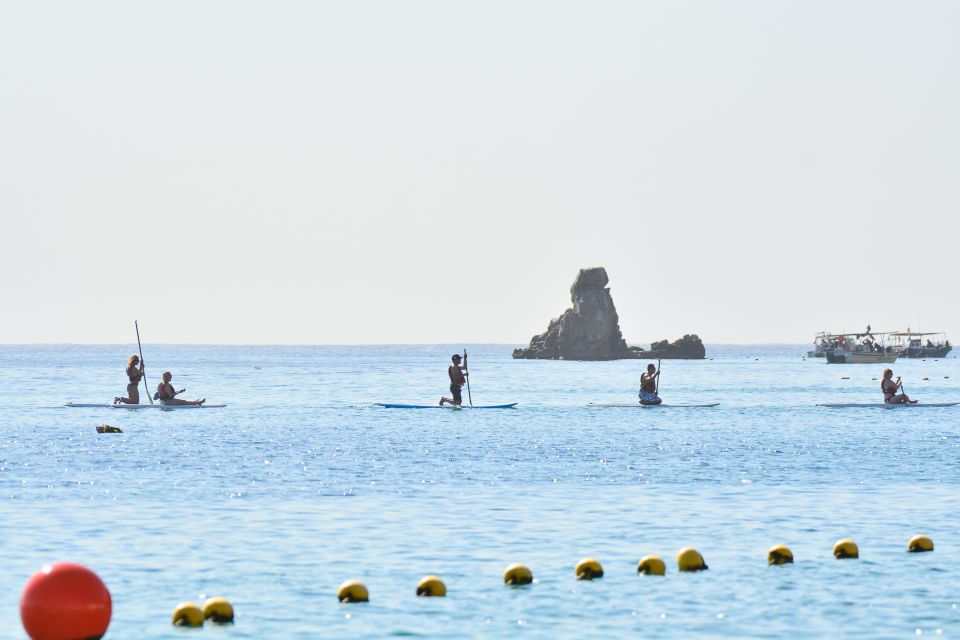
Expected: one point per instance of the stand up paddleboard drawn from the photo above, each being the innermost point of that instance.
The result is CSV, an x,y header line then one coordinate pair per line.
x,y
388,405
137,407
637,405
883,405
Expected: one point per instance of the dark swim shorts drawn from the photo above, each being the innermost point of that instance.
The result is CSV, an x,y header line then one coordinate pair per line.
x,y
455,390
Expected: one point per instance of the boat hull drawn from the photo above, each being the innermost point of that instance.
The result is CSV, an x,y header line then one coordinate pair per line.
x,y
926,352
853,357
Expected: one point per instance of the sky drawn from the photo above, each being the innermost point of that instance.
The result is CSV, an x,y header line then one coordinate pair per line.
x,y
438,171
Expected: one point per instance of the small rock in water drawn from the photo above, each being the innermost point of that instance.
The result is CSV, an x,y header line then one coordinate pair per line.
x,y
106,428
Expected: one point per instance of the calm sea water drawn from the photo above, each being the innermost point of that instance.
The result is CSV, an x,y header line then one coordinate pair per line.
x,y
299,484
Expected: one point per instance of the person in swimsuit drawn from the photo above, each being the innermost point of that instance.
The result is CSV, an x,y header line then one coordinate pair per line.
x,y
167,395
648,386
135,375
890,388
458,378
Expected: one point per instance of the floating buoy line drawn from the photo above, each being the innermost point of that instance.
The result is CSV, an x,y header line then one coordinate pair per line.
x,y
66,600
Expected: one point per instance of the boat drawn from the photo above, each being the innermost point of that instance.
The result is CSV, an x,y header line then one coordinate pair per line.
x,y
883,405
921,344
822,341
860,348
137,407
662,405
390,405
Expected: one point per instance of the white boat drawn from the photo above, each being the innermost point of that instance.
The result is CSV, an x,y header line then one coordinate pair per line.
x,y
860,348
883,405
823,341
137,407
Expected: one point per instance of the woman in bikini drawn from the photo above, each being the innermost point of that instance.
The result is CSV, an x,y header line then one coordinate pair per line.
x,y
135,375
890,389
167,395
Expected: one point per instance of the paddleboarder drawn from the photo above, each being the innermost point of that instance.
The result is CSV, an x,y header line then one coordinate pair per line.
x,y
648,385
891,387
167,395
458,377
135,375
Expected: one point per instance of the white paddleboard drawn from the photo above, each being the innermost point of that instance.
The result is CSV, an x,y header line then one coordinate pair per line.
x,y
390,405
137,407
883,405
637,405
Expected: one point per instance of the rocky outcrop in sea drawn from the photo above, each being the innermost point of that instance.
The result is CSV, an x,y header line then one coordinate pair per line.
x,y
590,329
689,347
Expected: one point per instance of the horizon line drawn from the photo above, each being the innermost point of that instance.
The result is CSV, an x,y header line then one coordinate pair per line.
x,y
353,344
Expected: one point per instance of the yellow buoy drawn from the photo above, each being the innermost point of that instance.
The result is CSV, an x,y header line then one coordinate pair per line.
x,y
517,574
187,614
353,591
431,586
845,548
689,559
651,566
920,543
218,609
779,554
588,569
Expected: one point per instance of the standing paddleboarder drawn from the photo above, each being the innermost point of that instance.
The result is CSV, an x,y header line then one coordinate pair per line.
x,y
134,374
458,377
648,386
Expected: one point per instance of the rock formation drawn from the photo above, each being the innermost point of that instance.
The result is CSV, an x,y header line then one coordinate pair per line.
x,y
689,347
590,329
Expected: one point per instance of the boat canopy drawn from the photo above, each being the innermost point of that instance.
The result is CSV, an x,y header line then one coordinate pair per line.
x,y
909,333
863,333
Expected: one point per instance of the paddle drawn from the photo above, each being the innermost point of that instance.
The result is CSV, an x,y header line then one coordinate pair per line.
x,y
139,346
904,392
466,370
656,384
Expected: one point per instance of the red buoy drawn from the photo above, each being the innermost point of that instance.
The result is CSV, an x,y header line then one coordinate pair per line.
x,y
65,601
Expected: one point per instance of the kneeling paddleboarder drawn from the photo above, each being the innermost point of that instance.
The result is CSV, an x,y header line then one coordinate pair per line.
x,y
648,386
458,377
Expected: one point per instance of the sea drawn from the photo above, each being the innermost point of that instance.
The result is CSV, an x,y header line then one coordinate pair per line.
x,y
299,484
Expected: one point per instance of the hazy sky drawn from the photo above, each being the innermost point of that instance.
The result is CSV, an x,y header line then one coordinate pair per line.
x,y
438,171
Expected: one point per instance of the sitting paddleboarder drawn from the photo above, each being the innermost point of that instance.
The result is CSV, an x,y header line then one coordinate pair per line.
x,y
648,386
458,378
890,389
135,375
166,394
